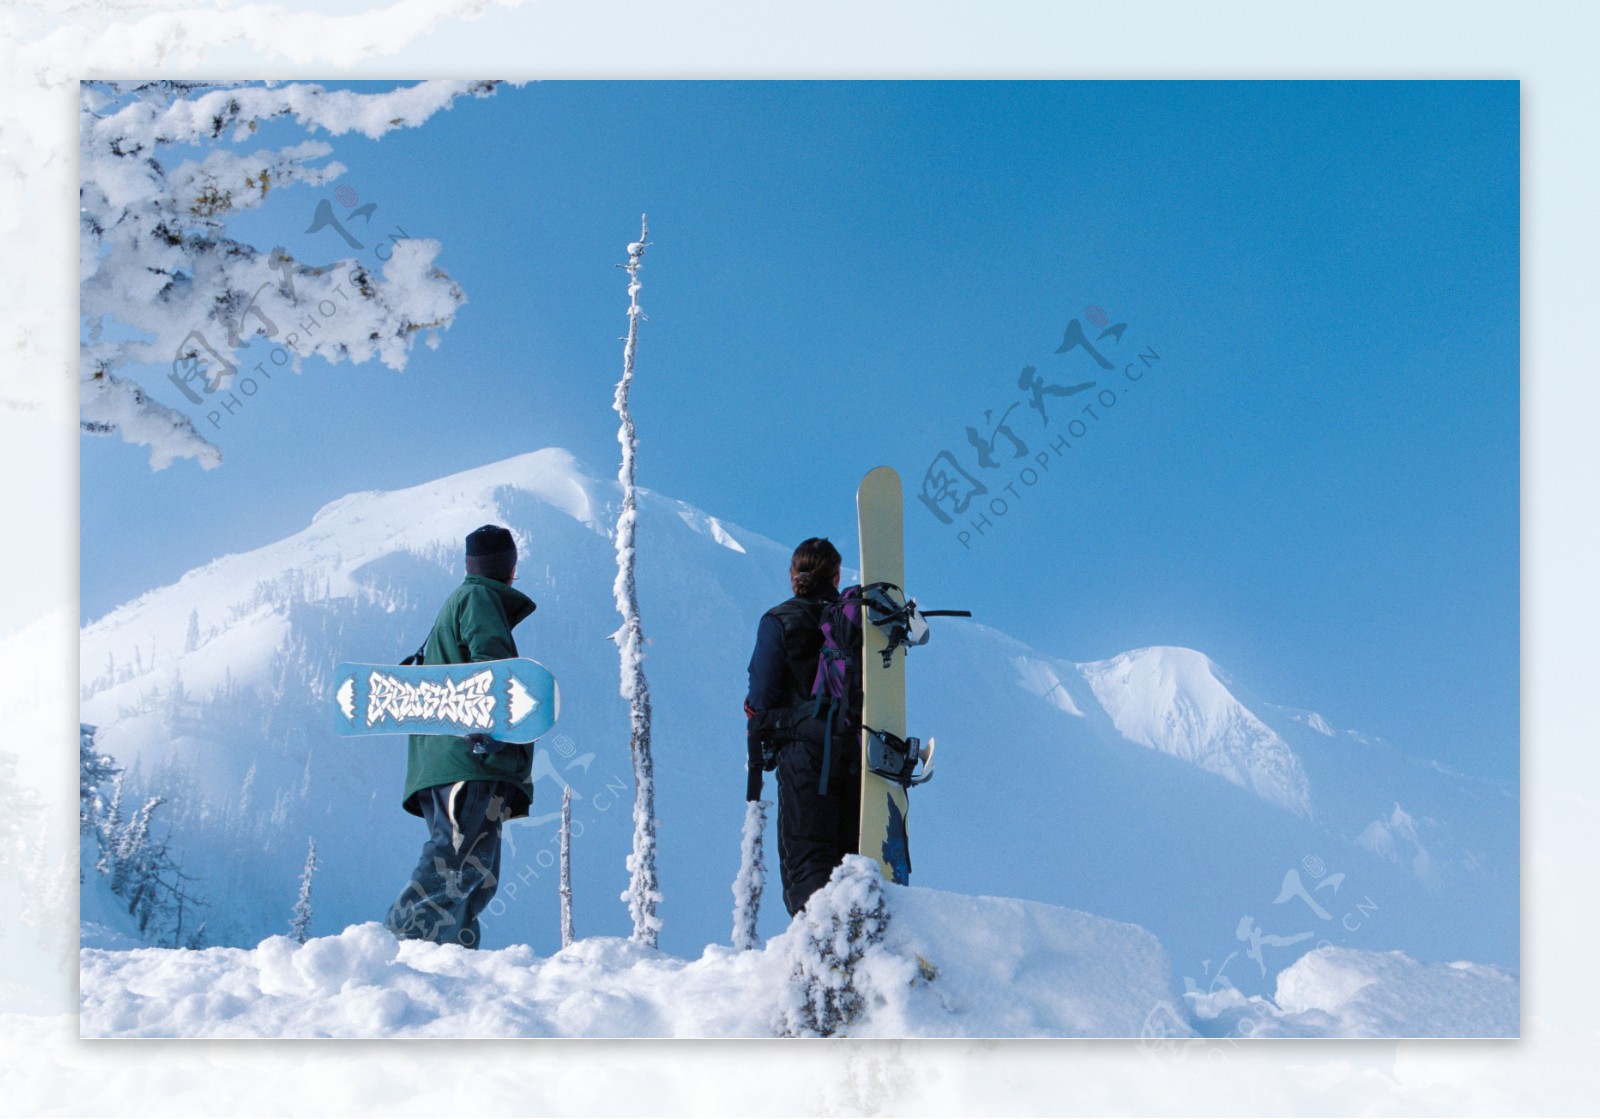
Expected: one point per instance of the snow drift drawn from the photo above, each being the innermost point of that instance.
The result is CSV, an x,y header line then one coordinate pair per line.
x,y
939,965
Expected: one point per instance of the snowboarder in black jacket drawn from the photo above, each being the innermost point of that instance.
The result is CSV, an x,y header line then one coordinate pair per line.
x,y
816,828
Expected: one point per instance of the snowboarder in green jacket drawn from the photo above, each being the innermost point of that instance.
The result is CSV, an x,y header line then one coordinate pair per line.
x,y
465,788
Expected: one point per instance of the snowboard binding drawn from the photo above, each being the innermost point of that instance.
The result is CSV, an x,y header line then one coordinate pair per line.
x,y
896,758
899,618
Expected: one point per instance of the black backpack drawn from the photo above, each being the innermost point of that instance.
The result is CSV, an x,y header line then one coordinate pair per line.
x,y
833,708
836,690
836,696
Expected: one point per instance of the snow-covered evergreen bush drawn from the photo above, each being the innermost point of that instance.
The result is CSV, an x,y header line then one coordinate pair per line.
x,y
838,926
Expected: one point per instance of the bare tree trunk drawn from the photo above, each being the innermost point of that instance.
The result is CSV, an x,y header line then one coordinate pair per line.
x,y
643,895
752,876
567,936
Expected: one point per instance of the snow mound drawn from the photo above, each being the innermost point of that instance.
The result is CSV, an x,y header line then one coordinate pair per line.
x,y
1388,994
1347,992
1011,968
1176,701
937,965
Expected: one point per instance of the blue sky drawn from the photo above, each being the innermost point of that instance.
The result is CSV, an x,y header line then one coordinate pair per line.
x,y
1316,483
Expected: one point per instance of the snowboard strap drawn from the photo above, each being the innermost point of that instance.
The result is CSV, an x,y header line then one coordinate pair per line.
x,y
896,758
899,618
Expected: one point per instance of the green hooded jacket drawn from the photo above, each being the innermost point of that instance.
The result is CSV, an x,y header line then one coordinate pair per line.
x,y
474,624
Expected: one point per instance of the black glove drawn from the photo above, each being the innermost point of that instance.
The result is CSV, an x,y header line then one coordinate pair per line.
x,y
483,745
753,765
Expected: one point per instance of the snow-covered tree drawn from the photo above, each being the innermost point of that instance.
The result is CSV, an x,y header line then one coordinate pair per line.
x,y
246,788
94,770
133,865
137,866
751,878
300,922
170,301
643,894
109,826
567,935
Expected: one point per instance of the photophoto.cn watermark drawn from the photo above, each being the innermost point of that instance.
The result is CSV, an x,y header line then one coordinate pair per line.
x,y
201,371
1020,447
1167,1031
533,861
523,862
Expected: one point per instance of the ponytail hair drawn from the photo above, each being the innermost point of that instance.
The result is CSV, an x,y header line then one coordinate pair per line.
x,y
813,567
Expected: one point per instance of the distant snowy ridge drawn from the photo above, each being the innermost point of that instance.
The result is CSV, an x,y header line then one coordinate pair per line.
x,y
1175,700
1389,838
1037,677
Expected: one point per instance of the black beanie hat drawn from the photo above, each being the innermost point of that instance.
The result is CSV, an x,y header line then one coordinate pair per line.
x,y
491,552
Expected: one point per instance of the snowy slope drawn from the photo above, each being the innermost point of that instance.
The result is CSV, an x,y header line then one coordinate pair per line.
x,y
1147,787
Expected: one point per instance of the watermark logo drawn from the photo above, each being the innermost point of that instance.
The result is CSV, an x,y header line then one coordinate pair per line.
x,y
444,901
1015,448
528,862
192,372
199,369
1165,1031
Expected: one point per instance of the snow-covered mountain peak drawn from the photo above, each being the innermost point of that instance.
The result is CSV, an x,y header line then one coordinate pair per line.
x,y
551,475
329,559
1174,666
1177,701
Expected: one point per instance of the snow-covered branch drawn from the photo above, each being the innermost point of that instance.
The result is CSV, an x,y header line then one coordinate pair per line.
x,y
170,302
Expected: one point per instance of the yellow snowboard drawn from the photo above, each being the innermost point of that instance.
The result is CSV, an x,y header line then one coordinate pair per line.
x,y
880,517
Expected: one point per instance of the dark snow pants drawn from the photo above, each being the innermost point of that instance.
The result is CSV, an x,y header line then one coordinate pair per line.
x,y
460,865
816,830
